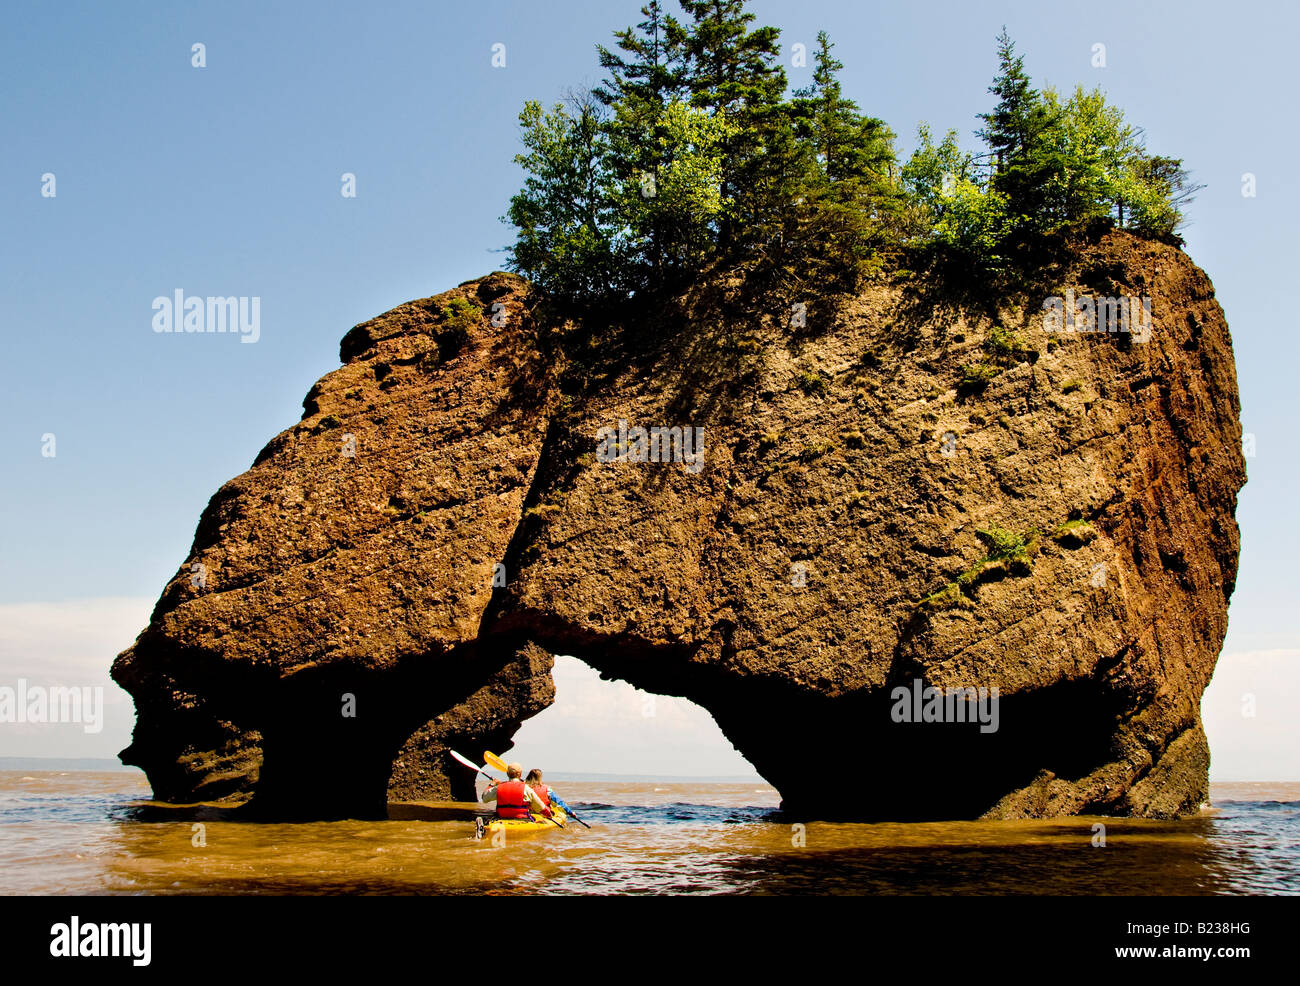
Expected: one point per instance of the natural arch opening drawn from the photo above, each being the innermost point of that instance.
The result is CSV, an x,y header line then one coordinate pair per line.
x,y
608,727
614,716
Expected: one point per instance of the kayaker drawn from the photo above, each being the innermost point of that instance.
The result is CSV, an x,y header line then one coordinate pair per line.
x,y
514,798
544,791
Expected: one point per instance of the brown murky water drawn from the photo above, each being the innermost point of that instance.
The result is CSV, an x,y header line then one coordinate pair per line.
x,y
86,832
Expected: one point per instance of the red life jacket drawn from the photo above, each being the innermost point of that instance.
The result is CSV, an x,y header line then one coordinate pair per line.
x,y
511,800
543,792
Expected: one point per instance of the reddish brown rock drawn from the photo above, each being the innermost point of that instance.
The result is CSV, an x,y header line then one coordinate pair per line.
x,y
828,552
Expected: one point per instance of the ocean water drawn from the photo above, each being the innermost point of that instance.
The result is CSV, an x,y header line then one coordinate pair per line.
x,y
96,832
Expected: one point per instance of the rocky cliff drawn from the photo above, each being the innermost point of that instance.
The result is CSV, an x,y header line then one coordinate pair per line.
x,y
914,491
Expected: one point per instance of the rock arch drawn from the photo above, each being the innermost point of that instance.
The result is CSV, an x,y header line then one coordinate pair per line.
x,y
865,519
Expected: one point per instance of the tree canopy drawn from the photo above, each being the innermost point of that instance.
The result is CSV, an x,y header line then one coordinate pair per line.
x,y
692,152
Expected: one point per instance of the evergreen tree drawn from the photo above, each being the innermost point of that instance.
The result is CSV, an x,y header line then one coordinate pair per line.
x,y
729,67
649,72
734,71
690,152
849,200
848,145
1008,128
1014,133
826,118
645,76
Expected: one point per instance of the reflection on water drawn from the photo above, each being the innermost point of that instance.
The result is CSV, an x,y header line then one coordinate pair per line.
x,y
87,832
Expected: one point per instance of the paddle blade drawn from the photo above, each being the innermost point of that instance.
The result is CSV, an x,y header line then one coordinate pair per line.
x,y
494,760
465,760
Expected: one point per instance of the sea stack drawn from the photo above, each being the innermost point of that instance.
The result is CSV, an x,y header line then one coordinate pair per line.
x,y
917,484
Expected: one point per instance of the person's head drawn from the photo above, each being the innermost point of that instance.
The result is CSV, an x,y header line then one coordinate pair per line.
x,y
514,771
534,777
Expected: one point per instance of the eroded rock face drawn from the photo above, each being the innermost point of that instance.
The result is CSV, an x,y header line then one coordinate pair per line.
x,y
440,523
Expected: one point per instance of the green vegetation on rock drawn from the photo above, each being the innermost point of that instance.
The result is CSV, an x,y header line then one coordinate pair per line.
x,y
1008,550
692,154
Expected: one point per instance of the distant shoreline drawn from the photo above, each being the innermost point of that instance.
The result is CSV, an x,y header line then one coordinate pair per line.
x,y
64,763
104,763
557,776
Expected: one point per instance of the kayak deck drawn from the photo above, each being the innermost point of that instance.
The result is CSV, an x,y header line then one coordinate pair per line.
x,y
535,824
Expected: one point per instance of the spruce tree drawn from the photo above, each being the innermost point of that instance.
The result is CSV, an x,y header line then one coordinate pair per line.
x,y
645,77
848,144
734,71
852,203
649,71
1014,133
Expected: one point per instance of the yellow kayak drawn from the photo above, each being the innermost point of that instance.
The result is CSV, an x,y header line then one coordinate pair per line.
x,y
534,824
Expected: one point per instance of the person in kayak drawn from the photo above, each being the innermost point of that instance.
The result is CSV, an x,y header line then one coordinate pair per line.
x,y
514,798
544,791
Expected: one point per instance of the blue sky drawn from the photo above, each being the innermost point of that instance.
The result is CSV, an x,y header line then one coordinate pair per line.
x,y
225,180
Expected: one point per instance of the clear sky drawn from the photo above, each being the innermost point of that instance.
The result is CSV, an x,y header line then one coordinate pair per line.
x,y
225,180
